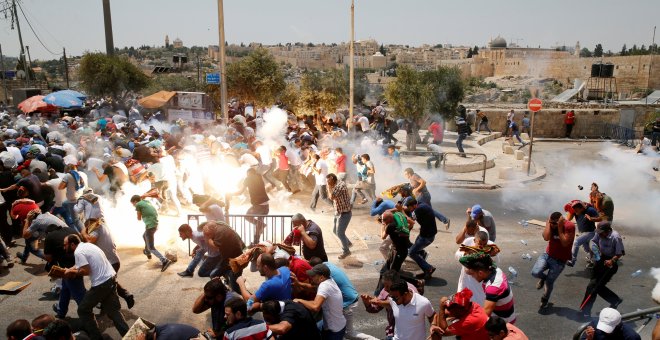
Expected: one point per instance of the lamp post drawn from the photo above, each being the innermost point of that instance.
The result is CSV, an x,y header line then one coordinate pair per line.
x,y
223,75
351,87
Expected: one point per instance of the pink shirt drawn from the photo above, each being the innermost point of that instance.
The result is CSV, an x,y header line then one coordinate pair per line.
x,y
341,163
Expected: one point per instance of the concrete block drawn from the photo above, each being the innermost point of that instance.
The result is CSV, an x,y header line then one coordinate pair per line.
x,y
519,154
504,145
524,136
510,141
526,159
508,150
506,173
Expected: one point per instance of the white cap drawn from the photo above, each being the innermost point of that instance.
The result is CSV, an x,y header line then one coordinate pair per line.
x,y
608,320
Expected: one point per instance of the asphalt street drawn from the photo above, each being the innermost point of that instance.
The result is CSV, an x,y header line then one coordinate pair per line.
x,y
165,297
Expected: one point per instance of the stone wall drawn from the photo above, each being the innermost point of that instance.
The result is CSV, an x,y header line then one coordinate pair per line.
x,y
549,123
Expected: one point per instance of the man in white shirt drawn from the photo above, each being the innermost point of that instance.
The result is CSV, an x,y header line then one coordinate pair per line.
x,y
364,123
329,299
509,118
90,260
295,162
267,165
410,311
320,171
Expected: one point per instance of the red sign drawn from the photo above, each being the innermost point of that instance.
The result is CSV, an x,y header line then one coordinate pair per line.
x,y
534,104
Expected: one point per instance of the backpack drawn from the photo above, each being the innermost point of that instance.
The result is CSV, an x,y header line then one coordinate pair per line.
x,y
401,223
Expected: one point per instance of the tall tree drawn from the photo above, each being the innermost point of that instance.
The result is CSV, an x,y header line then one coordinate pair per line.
x,y
624,51
447,90
585,53
475,50
256,78
469,54
598,51
382,49
103,75
409,96
323,90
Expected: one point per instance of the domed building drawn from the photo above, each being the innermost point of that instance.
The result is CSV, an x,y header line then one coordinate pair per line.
x,y
178,43
498,42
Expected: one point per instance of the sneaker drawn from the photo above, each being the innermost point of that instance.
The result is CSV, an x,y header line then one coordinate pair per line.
x,y
57,312
20,257
429,273
590,265
448,224
130,301
344,255
185,273
540,285
166,264
147,253
544,304
616,304
570,263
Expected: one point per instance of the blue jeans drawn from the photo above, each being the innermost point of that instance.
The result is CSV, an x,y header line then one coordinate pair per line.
x,y
319,191
71,288
199,256
442,218
654,138
341,224
459,142
424,197
554,267
71,217
29,248
330,335
582,240
415,252
517,135
148,237
436,157
210,267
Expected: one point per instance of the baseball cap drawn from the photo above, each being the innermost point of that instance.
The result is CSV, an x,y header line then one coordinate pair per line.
x,y
604,226
608,319
319,269
476,210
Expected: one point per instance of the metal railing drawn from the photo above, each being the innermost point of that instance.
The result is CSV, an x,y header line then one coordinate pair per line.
x,y
647,315
620,134
276,227
467,154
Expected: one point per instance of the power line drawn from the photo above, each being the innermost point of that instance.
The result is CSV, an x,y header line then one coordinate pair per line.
x,y
35,33
35,20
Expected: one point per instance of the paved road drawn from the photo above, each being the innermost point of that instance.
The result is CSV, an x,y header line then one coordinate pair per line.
x,y
164,297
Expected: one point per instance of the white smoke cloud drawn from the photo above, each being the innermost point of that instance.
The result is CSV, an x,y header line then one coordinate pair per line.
x,y
624,176
655,272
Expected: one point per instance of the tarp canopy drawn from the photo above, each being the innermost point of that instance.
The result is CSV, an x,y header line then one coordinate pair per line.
x,y
156,100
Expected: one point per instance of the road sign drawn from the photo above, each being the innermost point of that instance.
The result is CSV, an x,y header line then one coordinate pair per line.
x,y
213,78
534,104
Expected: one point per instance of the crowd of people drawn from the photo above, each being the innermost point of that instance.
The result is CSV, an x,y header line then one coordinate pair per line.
x,y
56,172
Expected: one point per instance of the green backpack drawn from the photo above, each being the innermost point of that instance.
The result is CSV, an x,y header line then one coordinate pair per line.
x,y
401,223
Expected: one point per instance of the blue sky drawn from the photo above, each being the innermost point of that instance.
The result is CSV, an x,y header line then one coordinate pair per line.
x,y
78,24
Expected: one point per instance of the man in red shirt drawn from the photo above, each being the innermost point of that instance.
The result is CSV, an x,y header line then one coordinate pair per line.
x,y
340,161
560,234
437,131
468,319
569,121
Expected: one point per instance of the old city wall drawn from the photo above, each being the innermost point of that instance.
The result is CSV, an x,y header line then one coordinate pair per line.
x,y
631,72
549,123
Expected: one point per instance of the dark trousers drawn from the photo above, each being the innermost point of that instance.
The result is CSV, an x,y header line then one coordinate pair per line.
x,y
600,276
569,129
121,291
106,294
5,228
506,128
259,224
394,263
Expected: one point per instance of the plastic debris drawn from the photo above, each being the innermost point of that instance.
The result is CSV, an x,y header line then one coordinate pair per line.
x,y
524,223
636,273
523,242
526,256
535,252
514,273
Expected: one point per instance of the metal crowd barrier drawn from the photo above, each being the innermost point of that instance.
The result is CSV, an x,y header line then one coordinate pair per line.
x,y
483,168
622,135
277,227
647,315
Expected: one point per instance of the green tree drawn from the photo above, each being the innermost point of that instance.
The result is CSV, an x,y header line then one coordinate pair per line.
x,y
598,51
624,51
323,89
585,53
170,82
110,75
469,54
382,49
290,97
475,50
447,90
409,95
256,78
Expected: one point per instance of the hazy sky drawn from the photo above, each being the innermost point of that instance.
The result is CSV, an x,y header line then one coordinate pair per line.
x,y
78,24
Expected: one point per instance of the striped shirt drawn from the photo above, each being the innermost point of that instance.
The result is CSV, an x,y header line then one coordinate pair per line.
x,y
247,329
497,290
340,198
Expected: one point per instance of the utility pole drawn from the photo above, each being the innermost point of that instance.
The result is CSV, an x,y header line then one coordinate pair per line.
x,y
198,79
107,21
648,81
66,68
351,75
4,75
20,40
223,74
27,48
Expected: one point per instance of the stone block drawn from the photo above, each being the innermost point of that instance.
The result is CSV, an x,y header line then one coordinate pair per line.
x,y
506,173
508,150
504,145
524,136
526,159
519,154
